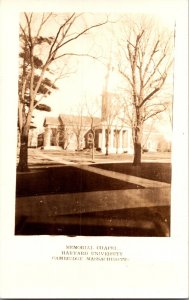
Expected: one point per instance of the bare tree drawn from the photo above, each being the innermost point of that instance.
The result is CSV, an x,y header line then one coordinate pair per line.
x,y
67,136
40,52
77,125
93,109
145,64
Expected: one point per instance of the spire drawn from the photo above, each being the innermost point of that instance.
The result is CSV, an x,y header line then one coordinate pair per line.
x,y
105,93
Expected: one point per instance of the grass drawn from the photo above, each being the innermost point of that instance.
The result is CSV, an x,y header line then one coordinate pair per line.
x,y
37,160
66,179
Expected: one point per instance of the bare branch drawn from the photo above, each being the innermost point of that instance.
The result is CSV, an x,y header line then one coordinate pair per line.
x,y
155,69
43,21
58,32
154,113
151,57
82,32
77,54
28,20
126,76
157,89
25,35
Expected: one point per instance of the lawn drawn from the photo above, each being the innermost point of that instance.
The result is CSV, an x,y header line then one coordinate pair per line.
x,y
154,171
42,158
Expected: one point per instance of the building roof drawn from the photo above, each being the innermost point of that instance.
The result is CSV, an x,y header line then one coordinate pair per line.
x,y
71,120
52,121
85,120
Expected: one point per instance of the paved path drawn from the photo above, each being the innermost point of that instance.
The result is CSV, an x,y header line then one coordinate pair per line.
x,y
124,177
74,203
147,183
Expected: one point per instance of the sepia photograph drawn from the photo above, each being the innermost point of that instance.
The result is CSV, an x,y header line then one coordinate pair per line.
x,y
94,124
94,149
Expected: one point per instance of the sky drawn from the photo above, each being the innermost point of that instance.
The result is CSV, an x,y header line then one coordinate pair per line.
x,y
87,76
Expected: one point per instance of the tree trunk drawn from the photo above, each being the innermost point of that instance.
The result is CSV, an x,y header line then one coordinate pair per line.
x,y
18,140
137,146
23,157
78,143
93,151
93,145
137,154
107,142
138,137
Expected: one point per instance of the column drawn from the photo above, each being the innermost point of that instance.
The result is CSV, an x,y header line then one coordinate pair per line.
x,y
120,142
103,138
57,138
47,138
111,144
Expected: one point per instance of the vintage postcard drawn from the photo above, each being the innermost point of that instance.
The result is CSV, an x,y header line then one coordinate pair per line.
x,y
94,149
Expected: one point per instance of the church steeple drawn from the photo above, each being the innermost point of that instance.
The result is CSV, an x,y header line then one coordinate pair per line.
x,y
106,93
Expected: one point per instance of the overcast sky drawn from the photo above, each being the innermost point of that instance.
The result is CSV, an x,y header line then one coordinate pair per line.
x,y
87,76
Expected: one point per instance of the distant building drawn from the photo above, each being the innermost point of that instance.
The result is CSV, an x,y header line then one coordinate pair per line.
x,y
71,132
74,133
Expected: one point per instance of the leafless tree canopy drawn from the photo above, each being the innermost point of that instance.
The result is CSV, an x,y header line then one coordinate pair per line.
x,y
145,60
40,52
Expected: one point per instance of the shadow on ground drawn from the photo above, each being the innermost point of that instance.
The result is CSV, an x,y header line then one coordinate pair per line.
x,y
139,221
66,179
146,222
